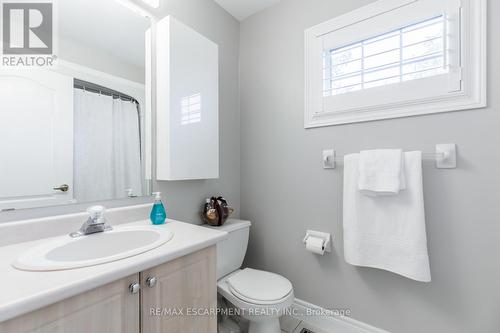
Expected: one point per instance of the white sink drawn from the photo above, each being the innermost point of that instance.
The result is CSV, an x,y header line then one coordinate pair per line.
x,y
66,252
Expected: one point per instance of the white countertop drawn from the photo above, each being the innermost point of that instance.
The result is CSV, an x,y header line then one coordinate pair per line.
x,y
25,291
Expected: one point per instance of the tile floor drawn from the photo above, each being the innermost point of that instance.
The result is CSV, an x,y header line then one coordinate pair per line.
x,y
291,324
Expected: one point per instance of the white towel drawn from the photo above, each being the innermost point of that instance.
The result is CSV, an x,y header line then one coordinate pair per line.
x,y
381,172
387,232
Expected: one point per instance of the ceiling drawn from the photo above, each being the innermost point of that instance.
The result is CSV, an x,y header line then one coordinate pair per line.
x,y
241,9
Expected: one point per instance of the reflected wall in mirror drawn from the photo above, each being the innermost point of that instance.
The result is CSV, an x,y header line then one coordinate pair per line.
x,y
77,132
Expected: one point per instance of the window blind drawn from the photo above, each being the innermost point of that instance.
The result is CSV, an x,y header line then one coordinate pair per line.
x,y
408,53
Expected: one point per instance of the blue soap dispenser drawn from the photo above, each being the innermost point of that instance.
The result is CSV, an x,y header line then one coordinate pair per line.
x,y
158,213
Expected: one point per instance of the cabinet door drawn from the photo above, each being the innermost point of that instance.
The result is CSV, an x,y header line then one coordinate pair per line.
x,y
184,298
187,103
111,309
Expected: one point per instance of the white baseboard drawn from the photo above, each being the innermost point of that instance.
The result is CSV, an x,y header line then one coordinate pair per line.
x,y
328,323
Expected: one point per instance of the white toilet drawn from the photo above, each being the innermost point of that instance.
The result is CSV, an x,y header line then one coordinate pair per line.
x,y
261,297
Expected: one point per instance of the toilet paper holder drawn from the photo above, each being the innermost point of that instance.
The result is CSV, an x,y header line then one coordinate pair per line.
x,y
326,237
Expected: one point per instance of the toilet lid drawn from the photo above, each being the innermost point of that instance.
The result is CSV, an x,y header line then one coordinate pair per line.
x,y
259,286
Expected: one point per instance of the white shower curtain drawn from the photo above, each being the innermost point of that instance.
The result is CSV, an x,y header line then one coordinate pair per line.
x,y
107,160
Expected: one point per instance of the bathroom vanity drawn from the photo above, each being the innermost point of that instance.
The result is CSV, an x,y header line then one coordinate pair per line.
x,y
137,303
171,288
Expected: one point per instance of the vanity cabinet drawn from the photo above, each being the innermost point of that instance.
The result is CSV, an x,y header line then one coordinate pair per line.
x,y
182,292
168,295
110,308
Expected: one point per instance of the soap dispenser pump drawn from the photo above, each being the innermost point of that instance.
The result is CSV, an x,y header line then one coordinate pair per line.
x,y
158,213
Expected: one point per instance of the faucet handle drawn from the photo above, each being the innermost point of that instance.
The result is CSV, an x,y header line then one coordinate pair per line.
x,y
95,223
96,212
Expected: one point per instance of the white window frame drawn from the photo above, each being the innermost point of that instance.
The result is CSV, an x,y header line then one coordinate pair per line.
x,y
462,88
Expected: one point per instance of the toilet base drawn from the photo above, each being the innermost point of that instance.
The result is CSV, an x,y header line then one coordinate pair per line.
x,y
271,325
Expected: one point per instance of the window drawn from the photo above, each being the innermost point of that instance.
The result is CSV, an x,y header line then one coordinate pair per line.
x,y
396,58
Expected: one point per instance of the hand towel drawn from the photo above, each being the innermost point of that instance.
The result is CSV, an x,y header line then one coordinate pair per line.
x,y
387,232
381,172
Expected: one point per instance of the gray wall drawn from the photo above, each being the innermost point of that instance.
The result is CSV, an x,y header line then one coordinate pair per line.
x,y
285,190
184,198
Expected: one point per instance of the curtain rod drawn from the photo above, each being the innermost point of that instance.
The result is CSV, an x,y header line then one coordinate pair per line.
x,y
95,88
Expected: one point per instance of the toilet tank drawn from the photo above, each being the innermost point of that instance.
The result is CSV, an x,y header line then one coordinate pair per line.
x,y
231,251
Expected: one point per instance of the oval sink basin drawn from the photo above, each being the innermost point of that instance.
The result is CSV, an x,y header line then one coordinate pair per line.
x,y
66,252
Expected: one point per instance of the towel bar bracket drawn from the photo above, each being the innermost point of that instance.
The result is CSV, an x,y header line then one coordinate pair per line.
x,y
446,156
329,159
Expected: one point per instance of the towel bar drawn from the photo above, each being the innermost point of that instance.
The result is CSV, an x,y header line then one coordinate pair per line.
x,y
445,157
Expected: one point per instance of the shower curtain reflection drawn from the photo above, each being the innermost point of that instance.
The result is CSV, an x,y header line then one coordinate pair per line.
x,y
107,147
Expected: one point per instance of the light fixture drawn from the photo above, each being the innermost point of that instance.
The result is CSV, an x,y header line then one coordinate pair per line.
x,y
152,3
133,6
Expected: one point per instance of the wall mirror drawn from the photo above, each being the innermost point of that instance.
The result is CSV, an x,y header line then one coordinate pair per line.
x,y
78,132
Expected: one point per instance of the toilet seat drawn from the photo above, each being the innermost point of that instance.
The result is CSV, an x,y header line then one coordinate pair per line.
x,y
252,294
259,287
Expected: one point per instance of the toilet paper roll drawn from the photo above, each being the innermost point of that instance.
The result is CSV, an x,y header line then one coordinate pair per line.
x,y
315,245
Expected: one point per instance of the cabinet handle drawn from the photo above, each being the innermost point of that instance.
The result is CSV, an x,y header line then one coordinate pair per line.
x,y
134,288
151,281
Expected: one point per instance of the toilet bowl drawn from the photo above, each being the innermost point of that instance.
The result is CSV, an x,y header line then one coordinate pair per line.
x,y
260,297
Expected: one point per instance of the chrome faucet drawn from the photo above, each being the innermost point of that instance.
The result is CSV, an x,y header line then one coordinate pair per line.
x,y
95,223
